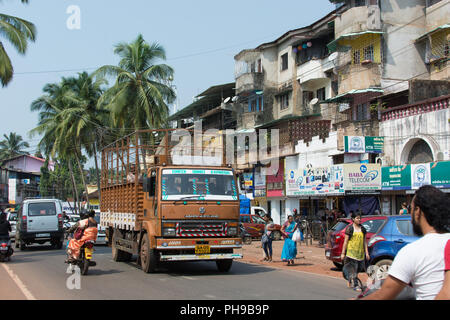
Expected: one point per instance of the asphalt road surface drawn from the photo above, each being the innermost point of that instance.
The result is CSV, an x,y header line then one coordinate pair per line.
x,y
40,273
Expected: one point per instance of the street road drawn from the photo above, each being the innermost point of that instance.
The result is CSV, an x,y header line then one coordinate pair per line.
x,y
40,273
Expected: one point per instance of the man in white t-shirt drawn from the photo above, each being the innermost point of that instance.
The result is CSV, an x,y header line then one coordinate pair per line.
x,y
421,263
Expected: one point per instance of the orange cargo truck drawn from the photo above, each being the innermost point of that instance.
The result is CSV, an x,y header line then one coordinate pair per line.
x,y
163,209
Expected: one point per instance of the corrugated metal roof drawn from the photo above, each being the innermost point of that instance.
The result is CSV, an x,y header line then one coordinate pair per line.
x,y
332,46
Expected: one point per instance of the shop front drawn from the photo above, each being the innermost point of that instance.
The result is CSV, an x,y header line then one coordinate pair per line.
x,y
275,194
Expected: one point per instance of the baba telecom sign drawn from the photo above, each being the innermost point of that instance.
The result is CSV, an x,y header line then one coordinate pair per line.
x,y
362,177
358,144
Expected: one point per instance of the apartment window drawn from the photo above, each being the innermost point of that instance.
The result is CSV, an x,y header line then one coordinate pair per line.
x,y
259,66
307,97
284,62
360,3
284,101
368,53
432,2
361,112
320,94
356,56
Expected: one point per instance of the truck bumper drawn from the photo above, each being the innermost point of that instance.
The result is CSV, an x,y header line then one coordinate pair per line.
x,y
206,257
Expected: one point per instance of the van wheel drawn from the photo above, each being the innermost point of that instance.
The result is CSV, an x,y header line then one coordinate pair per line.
x,y
117,254
224,265
148,257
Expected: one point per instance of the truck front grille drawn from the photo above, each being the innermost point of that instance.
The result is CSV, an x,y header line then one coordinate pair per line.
x,y
201,229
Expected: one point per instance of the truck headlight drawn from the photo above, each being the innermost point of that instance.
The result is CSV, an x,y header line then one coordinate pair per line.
x,y
232,231
169,232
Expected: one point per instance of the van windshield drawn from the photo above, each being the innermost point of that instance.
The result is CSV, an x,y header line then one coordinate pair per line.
x,y
206,184
42,209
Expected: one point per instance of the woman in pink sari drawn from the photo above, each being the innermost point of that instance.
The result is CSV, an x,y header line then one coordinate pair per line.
x,y
89,228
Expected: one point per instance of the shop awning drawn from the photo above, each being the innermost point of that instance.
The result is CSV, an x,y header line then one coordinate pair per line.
x,y
443,27
332,46
346,96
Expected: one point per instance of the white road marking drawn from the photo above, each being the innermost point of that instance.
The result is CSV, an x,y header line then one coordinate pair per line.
x,y
19,283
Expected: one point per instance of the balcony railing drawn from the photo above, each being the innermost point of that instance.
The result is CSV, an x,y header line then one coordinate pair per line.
x,y
435,104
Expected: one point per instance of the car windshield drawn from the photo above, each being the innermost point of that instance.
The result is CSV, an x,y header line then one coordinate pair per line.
x,y
340,225
372,226
192,184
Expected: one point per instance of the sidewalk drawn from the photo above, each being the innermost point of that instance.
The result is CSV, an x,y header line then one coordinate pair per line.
x,y
310,258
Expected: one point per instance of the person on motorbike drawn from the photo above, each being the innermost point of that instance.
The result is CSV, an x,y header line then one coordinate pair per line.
x,y
5,226
88,227
421,263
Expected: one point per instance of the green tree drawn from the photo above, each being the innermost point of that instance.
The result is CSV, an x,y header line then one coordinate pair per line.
x,y
18,32
141,93
12,146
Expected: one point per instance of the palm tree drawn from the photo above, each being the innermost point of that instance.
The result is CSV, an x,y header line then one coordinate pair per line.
x,y
13,145
140,96
53,143
18,32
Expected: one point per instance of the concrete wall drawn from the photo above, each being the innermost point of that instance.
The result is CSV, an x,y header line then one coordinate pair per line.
x,y
403,22
357,19
433,127
317,152
437,15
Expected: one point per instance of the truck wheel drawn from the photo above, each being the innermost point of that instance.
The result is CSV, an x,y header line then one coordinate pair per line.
x,y
22,246
117,254
276,235
148,256
224,265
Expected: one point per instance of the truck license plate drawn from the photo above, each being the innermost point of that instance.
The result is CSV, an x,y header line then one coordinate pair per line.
x,y
202,249
42,235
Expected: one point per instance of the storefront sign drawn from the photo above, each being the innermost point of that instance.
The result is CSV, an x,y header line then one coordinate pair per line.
x,y
420,175
440,174
359,144
315,181
364,178
396,178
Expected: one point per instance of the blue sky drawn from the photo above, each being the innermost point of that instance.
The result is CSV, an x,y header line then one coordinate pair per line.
x,y
201,38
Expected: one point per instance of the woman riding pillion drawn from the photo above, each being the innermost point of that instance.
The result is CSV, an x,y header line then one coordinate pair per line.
x,y
89,230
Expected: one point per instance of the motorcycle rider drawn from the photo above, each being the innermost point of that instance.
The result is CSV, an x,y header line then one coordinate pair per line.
x,y
88,226
5,226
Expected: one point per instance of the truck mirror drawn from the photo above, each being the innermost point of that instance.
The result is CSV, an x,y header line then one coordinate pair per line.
x,y
146,185
149,186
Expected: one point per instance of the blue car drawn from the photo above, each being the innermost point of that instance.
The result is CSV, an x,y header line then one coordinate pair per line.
x,y
396,232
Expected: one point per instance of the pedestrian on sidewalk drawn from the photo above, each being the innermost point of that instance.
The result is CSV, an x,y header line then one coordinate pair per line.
x,y
354,252
403,210
290,247
267,238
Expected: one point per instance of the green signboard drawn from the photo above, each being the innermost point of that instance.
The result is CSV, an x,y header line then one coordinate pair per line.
x,y
357,144
440,174
396,178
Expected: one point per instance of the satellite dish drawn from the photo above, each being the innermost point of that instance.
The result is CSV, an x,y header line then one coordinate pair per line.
x,y
313,101
235,98
333,56
226,100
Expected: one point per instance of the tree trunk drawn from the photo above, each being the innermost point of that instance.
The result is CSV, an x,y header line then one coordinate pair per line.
x,y
74,185
97,171
82,176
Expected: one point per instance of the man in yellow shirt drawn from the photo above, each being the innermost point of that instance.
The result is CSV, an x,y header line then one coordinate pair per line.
x,y
355,251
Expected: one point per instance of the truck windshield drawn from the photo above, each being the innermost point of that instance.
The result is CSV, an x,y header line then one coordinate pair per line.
x,y
206,184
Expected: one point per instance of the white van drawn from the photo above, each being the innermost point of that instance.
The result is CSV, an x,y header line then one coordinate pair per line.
x,y
39,221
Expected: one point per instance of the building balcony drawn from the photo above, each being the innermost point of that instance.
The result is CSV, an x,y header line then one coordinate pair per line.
x,y
314,69
251,81
358,19
359,76
409,110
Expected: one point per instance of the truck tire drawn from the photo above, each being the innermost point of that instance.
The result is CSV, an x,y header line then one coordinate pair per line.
x,y
224,265
117,254
148,257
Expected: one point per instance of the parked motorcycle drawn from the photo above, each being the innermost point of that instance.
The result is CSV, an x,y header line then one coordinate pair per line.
x,y
84,260
6,251
245,236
